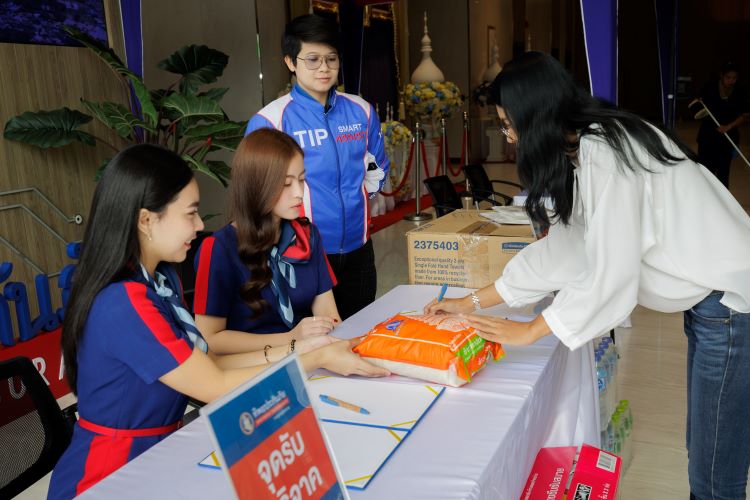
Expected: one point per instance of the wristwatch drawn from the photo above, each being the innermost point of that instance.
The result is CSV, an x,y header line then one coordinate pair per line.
x,y
475,300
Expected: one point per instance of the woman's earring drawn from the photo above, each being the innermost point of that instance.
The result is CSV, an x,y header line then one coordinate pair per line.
x,y
149,236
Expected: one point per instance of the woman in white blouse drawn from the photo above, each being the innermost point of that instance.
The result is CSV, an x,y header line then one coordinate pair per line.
x,y
636,221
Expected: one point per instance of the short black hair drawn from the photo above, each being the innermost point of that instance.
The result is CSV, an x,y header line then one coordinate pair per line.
x,y
729,66
309,29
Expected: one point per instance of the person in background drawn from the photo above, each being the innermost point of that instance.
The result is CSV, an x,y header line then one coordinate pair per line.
x,y
729,104
263,282
637,221
345,162
132,353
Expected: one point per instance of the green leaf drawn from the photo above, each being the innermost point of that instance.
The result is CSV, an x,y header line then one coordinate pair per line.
x,y
228,139
197,64
215,93
194,106
104,53
147,107
49,129
158,96
114,62
217,170
117,117
220,129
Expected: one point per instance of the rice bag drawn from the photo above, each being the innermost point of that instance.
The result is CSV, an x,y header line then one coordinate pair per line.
x,y
436,348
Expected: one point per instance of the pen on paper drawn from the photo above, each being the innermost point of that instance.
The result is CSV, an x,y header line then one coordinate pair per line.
x,y
443,289
343,404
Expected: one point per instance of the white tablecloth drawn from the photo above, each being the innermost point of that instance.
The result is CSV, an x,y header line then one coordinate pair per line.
x,y
478,441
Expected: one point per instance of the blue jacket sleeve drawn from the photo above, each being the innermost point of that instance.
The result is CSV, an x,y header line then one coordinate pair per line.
x,y
257,122
376,146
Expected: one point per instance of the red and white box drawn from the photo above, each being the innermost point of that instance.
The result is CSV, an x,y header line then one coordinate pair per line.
x,y
595,475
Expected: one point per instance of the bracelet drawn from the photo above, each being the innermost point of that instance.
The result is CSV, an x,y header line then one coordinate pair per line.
x,y
475,300
291,345
265,353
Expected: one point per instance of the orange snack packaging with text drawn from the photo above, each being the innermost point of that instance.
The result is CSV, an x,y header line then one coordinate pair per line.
x,y
437,348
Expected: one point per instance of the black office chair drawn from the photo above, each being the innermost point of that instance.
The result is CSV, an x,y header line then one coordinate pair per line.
x,y
483,188
444,196
33,430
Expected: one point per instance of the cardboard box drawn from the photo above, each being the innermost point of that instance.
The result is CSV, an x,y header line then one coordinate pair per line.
x,y
595,475
463,249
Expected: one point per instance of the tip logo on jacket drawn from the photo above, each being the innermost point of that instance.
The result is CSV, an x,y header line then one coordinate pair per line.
x,y
315,136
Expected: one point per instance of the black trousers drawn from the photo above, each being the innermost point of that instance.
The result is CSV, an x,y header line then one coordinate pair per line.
x,y
356,277
716,156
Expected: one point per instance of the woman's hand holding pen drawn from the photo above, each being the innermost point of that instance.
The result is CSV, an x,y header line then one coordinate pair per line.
x,y
450,306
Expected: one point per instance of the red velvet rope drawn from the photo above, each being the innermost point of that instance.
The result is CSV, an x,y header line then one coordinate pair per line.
x,y
424,160
455,173
405,177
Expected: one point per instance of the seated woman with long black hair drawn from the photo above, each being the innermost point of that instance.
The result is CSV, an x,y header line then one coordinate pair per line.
x,y
132,352
263,281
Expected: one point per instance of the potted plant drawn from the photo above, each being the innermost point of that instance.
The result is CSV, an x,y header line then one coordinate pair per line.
x,y
180,117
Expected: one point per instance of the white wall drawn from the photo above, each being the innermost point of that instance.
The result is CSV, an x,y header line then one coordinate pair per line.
x,y
483,14
225,25
448,25
271,21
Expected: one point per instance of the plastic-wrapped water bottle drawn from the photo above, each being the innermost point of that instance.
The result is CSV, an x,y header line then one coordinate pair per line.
x,y
624,406
603,383
611,355
624,417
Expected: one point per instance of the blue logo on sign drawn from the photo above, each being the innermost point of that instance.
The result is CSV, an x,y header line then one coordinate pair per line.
x,y
247,423
393,325
514,246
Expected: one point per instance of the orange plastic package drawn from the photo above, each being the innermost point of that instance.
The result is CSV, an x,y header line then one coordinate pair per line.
x,y
435,348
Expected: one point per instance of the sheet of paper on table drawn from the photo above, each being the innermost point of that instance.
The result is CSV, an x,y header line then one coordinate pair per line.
x,y
362,444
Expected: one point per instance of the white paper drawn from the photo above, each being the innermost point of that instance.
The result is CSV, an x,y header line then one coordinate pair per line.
x,y
390,404
362,443
360,451
507,215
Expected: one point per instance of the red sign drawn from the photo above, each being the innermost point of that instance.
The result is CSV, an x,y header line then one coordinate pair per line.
x,y
44,352
596,474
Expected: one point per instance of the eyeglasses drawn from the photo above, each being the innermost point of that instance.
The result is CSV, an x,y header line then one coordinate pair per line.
x,y
313,62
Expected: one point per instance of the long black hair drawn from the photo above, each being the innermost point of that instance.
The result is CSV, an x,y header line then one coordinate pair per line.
x,y
141,176
546,108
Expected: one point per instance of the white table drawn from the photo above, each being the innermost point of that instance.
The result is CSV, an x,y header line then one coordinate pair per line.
x,y
478,441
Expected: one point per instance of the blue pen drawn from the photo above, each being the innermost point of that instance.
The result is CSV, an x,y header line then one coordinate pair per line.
x,y
343,404
442,292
